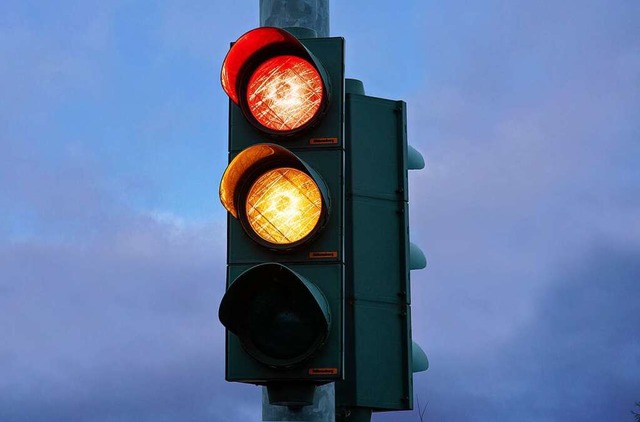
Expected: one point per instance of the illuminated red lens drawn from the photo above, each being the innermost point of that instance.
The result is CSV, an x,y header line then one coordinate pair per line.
x,y
284,93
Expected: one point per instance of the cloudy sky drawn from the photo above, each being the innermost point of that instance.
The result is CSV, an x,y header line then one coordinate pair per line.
x,y
113,140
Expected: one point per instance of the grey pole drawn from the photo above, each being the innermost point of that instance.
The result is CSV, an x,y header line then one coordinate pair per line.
x,y
313,15
310,14
322,409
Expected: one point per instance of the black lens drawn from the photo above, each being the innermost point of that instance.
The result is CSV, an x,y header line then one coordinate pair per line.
x,y
280,318
284,325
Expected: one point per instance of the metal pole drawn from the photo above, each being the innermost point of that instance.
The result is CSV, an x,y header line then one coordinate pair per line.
x,y
311,14
322,409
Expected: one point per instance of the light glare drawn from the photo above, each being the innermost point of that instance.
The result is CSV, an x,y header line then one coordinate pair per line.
x,y
284,93
283,205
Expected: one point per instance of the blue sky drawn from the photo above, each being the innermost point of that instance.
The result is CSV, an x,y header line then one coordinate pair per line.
x,y
113,141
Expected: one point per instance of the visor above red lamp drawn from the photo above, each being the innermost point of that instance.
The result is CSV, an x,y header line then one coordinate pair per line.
x,y
278,84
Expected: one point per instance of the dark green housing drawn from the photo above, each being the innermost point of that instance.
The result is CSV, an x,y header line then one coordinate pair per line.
x,y
378,372
317,265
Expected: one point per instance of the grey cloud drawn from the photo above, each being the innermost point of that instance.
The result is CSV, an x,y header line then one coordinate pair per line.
x,y
108,314
510,191
105,329
576,358
527,121
532,156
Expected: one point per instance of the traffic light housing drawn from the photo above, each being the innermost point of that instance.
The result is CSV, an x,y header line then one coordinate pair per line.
x,y
284,192
379,348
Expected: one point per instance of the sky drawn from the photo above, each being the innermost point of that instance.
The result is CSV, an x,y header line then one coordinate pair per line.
x,y
113,139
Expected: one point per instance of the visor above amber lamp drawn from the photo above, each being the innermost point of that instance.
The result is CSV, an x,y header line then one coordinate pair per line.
x,y
279,199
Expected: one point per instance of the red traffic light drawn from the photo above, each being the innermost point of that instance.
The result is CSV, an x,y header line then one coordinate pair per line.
x,y
284,93
275,80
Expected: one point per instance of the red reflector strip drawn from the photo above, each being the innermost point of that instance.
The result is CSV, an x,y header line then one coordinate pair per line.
x,y
323,141
323,371
326,254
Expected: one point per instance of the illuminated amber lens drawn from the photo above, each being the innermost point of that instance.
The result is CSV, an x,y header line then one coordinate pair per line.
x,y
283,205
284,93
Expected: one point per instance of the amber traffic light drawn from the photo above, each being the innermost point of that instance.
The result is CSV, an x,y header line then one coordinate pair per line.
x,y
280,201
283,205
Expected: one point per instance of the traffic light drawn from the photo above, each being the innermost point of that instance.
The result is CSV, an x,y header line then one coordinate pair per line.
x,y
380,352
284,193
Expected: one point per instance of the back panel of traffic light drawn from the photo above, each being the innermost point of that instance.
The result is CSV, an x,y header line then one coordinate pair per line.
x,y
378,314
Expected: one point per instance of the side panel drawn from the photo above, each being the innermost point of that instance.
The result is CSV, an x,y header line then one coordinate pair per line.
x,y
378,372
